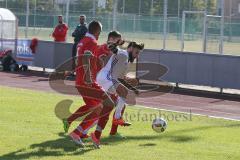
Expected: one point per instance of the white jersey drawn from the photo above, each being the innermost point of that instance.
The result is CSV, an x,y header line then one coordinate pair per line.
x,y
107,77
115,68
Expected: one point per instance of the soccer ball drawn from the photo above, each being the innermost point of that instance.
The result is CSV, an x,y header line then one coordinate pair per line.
x,y
159,125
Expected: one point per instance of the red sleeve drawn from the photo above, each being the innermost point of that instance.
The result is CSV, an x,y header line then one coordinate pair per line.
x,y
102,50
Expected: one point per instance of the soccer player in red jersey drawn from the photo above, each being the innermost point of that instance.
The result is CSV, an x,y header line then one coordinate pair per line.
x,y
86,70
60,32
87,45
85,77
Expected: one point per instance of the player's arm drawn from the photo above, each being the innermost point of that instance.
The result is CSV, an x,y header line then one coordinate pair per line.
x,y
86,66
131,81
102,50
113,46
83,31
88,54
130,84
74,34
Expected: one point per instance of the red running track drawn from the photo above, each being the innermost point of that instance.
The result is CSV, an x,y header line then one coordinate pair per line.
x,y
181,100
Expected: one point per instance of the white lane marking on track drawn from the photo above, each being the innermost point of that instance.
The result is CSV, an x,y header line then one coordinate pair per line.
x,y
207,110
196,114
180,100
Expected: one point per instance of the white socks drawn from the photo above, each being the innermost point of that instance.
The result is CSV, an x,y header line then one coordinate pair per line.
x,y
119,108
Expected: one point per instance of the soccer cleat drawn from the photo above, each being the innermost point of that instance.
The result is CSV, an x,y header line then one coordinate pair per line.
x,y
96,142
84,136
66,125
120,122
76,139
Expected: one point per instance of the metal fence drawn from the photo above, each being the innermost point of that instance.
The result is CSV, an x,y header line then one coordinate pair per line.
x,y
158,27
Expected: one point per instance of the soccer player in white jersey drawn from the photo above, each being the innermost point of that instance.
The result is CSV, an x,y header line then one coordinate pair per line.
x,y
108,78
115,69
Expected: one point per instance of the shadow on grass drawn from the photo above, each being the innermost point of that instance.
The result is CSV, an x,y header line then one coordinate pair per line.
x,y
182,139
64,147
58,147
147,145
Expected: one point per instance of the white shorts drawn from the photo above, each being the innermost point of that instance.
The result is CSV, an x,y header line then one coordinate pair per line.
x,y
105,82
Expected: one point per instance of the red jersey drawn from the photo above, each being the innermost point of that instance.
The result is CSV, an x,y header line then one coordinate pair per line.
x,y
60,32
103,50
89,45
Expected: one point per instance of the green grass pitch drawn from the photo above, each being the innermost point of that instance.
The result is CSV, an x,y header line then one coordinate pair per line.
x,y
30,130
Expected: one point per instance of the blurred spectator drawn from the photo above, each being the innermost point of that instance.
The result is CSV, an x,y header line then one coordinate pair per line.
x,y
60,32
78,34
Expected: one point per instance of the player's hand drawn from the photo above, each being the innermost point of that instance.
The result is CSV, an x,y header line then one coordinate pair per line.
x,y
132,81
112,47
121,42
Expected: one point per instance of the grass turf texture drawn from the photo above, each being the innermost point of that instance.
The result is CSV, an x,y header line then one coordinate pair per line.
x,y
30,130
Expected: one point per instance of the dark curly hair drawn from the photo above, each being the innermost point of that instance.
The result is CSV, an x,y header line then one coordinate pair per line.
x,y
136,45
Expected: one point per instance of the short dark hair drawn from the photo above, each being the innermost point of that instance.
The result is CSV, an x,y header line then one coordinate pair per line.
x,y
94,26
84,16
136,45
114,34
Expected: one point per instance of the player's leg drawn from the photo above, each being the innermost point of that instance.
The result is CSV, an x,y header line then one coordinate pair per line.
x,y
114,127
82,111
117,118
99,96
87,100
81,131
79,113
89,120
123,92
131,99
93,117
102,121
119,107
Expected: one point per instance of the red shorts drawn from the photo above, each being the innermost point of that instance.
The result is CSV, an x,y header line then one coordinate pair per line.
x,y
92,95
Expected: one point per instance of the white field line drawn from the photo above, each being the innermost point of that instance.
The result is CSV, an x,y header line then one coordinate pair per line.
x,y
196,114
